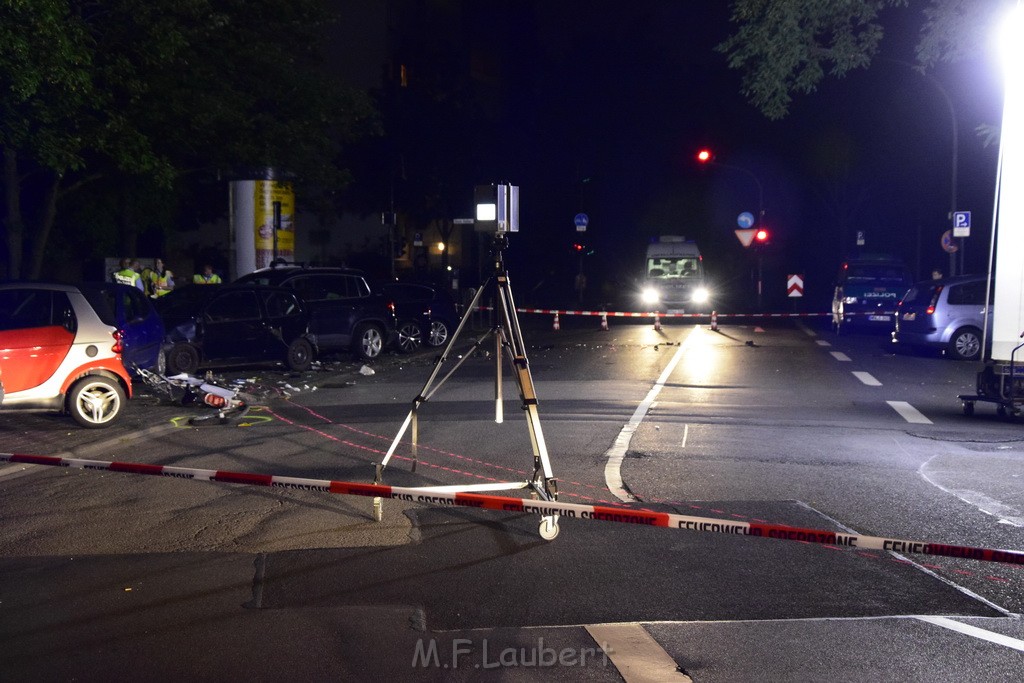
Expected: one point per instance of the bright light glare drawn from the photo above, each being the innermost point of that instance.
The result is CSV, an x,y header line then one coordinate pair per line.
x,y
701,295
486,212
1009,293
1010,34
650,296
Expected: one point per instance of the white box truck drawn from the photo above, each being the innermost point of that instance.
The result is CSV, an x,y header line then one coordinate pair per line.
x,y
674,280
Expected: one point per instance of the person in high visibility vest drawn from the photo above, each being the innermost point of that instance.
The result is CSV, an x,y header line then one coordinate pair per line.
x,y
207,277
161,280
127,275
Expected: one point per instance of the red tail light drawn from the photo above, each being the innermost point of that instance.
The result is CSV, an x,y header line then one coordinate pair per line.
x,y
118,341
935,299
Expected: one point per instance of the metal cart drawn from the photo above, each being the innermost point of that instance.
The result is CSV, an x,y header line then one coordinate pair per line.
x,y
999,383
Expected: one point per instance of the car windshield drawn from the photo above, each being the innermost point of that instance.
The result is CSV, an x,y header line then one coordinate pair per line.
x,y
673,267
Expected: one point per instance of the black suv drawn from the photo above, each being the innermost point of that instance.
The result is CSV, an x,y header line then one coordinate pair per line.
x,y
217,326
345,313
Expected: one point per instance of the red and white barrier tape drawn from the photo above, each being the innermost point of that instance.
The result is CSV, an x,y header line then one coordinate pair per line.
x,y
545,508
650,314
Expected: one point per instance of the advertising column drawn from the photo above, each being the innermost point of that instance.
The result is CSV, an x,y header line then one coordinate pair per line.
x,y
262,222
274,211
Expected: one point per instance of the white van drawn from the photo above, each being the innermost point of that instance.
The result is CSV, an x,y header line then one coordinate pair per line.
x,y
674,280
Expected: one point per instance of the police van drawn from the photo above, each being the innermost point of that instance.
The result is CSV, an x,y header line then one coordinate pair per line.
x,y
674,280
867,291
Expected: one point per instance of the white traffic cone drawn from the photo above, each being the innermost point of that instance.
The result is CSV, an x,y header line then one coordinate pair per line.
x,y
714,321
604,321
657,322
556,326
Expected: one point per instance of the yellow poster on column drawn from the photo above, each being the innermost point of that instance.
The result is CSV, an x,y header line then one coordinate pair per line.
x,y
269,196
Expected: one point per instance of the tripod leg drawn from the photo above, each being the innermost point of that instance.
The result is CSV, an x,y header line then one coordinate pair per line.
x,y
543,480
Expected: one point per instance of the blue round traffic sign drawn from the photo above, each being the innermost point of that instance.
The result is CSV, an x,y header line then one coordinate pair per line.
x,y
581,220
745,219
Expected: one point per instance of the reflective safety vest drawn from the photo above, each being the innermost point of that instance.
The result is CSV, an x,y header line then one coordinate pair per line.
x,y
127,276
160,284
201,279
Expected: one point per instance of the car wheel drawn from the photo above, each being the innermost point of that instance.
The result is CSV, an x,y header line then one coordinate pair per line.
x,y
438,333
95,401
300,355
182,358
965,344
410,336
369,342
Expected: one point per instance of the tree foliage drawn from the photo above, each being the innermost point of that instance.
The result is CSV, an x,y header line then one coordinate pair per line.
x,y
152,90
786,47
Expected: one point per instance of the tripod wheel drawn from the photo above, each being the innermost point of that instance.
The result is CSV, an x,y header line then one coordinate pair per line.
x,y
549,527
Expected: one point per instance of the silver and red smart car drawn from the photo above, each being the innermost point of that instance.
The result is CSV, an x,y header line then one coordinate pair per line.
x,y
57,353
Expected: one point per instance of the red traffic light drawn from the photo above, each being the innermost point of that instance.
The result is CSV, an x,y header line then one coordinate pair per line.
x,y
704,156
578,247
761,236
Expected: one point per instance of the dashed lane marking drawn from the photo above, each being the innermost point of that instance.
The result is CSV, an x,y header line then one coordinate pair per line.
x,y
866,378
822,342
839,355
909,413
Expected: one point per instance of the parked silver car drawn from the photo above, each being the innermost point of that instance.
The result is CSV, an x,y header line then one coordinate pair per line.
x,y
946,314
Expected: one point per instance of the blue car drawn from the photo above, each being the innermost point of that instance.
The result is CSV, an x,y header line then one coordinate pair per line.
x,y
131,312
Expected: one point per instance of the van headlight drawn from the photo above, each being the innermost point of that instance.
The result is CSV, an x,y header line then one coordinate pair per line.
x,y
701,295
650,295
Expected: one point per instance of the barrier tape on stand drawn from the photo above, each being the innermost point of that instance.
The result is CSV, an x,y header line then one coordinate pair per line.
x,y
544,508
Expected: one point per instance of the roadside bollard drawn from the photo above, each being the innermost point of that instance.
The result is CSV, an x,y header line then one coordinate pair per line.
x,y
604,321
556,326
714,321
657,322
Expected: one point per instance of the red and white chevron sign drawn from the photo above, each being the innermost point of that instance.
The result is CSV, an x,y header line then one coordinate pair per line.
x,y
795,285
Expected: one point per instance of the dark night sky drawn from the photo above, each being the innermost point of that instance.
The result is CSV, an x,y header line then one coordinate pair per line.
x,y
624,94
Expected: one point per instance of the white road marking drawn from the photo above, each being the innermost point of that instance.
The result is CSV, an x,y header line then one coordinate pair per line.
x,y
616,454
902,558
975,632
686,432
866,378
821,342
909,413
636,654
839,355
806,330
1006,514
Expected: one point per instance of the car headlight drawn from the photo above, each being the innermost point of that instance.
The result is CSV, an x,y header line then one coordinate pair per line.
x,y
650,296
701,295
849,299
